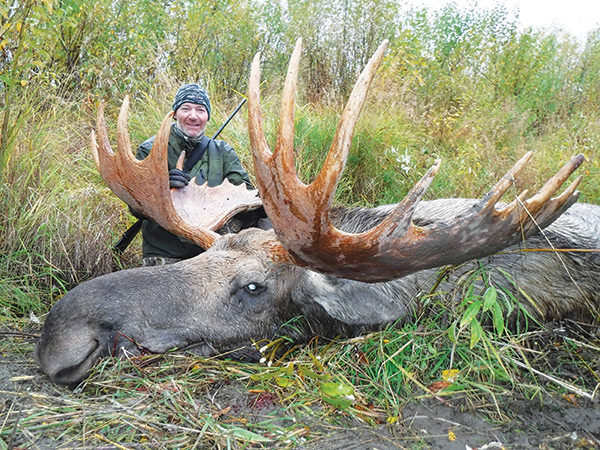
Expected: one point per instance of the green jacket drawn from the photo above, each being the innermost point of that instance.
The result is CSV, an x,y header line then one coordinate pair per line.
x,y
218,162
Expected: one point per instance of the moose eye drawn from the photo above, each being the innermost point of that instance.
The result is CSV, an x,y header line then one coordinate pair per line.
x,y
254,288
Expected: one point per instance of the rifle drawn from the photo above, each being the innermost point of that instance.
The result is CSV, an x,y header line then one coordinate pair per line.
x,y
131,232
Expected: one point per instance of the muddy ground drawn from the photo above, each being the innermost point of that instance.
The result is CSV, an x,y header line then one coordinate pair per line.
x,y
35,414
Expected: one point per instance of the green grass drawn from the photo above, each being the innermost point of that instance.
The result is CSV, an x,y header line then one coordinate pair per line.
x,y
182,401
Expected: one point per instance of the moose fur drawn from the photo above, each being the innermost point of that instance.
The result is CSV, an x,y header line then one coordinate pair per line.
x,y
234,294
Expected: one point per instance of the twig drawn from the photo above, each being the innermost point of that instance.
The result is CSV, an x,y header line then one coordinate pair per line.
x,y
564,384
19,334
14,430
108,441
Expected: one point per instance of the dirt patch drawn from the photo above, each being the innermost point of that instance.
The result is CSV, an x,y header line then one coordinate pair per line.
x,y
428,424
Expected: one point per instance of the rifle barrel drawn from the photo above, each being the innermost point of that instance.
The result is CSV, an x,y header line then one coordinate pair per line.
x,y
231,116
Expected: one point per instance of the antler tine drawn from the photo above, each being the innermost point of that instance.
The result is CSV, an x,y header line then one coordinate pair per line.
x,y
105,157
124,153
543,196
398,221
286,199
284,148
508,180
325,184
274,168
264,167
143,185
396,247
549,212
275,174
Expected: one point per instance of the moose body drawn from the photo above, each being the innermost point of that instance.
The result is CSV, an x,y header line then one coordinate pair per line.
x,y
234,294
343,271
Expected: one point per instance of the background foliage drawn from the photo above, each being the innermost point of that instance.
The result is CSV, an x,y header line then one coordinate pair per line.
x,y
469,86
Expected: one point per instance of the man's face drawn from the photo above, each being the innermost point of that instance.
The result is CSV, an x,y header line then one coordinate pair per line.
x,y
192,119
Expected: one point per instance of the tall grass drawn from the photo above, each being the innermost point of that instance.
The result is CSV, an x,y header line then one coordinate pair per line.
x,y
58,216
463,86
59,219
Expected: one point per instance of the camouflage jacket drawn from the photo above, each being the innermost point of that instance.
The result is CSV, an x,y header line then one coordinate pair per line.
x,y
218,162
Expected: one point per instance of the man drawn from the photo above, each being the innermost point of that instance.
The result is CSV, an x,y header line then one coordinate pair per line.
x,y
217,161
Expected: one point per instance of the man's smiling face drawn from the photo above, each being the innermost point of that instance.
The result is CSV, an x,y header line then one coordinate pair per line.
x,y
192,119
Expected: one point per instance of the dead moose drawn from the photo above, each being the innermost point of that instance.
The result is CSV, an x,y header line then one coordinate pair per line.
x,y
343,270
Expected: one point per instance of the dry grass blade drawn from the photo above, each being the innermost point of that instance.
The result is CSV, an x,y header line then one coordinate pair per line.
x,y
570,387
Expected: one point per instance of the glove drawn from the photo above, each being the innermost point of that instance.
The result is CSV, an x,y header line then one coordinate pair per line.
x,y
178,179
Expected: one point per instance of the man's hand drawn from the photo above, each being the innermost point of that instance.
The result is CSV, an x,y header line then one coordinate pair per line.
x,y
178,179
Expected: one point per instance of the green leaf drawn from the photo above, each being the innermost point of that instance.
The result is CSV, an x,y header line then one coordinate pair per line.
x,y
266,375
490,298
248,436
289,369
336,389
498,319
452,332
283,380
476,332
341,403
310,374
471,313
316,362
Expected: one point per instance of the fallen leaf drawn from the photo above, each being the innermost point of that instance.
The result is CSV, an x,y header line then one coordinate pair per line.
x,y
451,436
571,399
585,443
218,414
339,389
361,357
450,375
438,386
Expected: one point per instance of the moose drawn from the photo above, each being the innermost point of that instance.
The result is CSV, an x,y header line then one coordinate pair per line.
x,y
342,271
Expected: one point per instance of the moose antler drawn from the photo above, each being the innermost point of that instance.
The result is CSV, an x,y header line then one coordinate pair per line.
x,y
395,247
193,212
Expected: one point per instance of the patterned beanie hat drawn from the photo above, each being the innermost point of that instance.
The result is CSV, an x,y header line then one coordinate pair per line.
x,y
191,93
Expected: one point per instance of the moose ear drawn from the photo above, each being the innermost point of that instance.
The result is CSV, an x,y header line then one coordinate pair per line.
x,y
356,303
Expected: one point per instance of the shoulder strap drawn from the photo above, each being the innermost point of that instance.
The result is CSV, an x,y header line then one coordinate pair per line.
x,y
196,154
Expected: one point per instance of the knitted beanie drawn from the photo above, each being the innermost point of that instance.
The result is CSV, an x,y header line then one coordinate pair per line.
x,y
191,93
